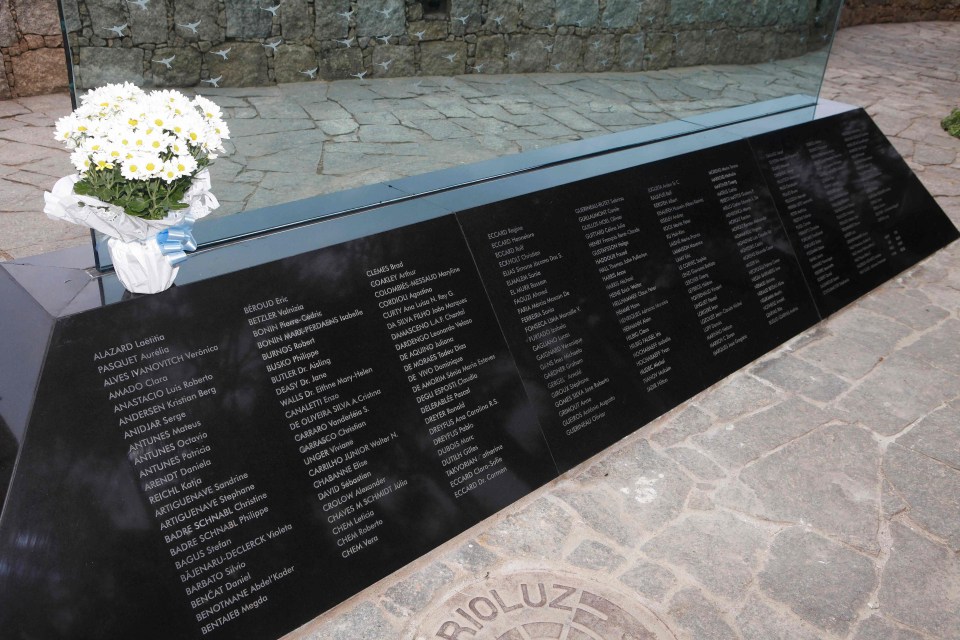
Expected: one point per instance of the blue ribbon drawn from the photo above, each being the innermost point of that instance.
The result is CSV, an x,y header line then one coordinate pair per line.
x,y
175,241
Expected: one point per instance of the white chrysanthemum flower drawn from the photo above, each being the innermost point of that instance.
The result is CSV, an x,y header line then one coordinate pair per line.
x,y
157,141
134,118
209,109
101,161
116,152
141,166
177,146
122,136
92,145
173,102
139,141
178,166
80,160
126,92
152,164
66,131
190,128
186,163
169,172
132,169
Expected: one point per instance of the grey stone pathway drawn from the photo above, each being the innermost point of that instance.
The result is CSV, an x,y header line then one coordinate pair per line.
x,y
814,494
299,140
294,141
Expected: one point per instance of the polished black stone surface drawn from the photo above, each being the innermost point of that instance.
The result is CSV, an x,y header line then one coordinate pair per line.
x,y
233,456
623,295
309,425
853,209
23,341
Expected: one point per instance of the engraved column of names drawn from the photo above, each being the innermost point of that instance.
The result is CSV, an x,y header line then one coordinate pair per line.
x,y
637,309
199,512
808,228
543,309
431,333
696,268
327,404
764,267
883,199
832,171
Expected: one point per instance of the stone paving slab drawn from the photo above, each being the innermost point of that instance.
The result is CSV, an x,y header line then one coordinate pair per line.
x,y
813,494
295,141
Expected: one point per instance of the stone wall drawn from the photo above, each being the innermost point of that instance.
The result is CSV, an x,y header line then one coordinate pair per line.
x,y
243,42
31,44
405,37
873,11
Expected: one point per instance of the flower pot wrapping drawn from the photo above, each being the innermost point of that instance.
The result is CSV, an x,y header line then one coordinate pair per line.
x,y
142,264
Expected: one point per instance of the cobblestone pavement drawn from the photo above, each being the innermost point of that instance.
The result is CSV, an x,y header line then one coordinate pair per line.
x,y
814,494
294,141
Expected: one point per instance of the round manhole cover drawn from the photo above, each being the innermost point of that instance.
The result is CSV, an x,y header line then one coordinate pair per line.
x,y
540,605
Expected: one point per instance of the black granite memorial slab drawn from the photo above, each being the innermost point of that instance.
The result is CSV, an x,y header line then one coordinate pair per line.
x,y
232,457
23,341
202,459
625,294
855,212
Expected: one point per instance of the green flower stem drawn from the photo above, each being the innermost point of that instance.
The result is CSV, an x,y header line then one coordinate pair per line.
x,y
150,199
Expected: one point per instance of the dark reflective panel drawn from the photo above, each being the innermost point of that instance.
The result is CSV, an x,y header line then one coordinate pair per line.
x,y
232,457
626,294
853,208
23,342
740,279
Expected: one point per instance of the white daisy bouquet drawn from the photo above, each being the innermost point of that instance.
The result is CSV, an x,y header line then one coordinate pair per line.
x,y
142,177
141,151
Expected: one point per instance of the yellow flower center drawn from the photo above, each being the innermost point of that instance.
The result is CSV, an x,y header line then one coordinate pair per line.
x,y
151,166
132,122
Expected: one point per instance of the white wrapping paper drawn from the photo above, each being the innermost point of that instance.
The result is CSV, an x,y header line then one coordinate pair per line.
x,y
140,266
137,259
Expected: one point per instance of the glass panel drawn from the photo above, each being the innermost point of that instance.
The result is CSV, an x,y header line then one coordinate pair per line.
x,y
330,95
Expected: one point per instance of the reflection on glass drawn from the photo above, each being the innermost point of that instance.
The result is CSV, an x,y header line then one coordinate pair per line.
x,y
327,95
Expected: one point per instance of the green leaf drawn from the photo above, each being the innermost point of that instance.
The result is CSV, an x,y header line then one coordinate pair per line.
x,y
952,123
